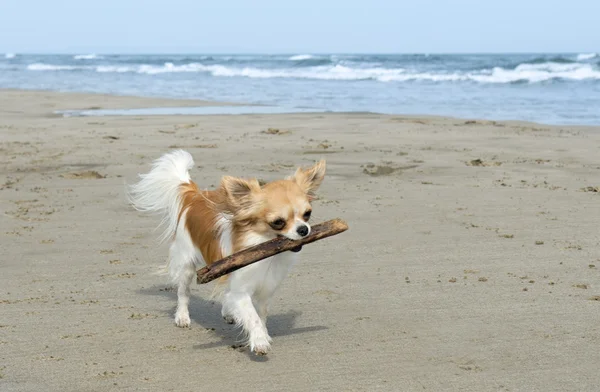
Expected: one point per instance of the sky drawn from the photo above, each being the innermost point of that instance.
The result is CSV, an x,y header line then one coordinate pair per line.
x,y
303,26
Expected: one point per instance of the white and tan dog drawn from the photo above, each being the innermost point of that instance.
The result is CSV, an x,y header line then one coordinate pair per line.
x,y
205,226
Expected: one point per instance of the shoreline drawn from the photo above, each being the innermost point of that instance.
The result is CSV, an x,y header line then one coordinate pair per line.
x,y
92,101
95,101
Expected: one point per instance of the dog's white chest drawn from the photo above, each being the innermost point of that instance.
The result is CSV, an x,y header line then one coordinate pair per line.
x,y
263,277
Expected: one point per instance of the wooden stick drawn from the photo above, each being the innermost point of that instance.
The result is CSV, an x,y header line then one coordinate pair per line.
x,y
267,249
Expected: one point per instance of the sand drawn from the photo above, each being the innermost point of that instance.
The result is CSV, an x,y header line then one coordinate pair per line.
x,y
471,262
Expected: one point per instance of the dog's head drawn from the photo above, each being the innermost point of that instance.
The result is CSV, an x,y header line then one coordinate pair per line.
x,y
277,208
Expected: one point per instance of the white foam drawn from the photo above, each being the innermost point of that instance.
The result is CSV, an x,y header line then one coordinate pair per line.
x,y
586,56
535,73
86,57
10,56
114,68
301,57
337,72
50,67
170,68
424,76
532,73
549,67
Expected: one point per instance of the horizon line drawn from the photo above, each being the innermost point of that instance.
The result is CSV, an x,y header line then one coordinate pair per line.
x,y
277,53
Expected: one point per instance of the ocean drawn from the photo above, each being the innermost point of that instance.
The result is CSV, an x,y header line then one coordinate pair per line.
x,y
551,88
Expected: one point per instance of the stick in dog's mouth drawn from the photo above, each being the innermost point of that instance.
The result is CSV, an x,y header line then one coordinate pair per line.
x,y
267,249
296,249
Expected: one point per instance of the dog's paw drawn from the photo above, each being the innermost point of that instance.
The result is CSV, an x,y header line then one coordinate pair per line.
x,y
229,319
182,320
261,346
262,350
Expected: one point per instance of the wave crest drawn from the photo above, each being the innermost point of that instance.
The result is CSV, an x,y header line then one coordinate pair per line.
x,y
301,57
51,67
536,73
525,72
554,59
586,56
91,56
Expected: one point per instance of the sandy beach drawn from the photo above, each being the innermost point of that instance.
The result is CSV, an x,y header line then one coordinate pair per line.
x,y
471,262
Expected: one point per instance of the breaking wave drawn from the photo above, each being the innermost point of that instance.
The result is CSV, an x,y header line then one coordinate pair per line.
x,y
86,57
301,57
51,67
586,56
525,72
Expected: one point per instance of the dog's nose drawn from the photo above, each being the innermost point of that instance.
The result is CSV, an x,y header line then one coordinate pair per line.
x,y
302,230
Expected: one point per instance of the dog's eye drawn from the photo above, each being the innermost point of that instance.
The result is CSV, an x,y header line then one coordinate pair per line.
x,y
278,224
306,215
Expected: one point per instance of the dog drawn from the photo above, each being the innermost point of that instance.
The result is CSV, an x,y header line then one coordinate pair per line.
x,y
204,226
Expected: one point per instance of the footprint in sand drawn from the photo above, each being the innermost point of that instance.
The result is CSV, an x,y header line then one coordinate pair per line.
x,y
276,131
385,169
86,175
479,162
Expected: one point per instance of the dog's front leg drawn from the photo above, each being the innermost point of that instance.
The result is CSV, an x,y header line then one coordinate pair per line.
x,y
239,306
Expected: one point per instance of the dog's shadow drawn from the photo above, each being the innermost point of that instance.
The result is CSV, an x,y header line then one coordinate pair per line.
x,y
207,314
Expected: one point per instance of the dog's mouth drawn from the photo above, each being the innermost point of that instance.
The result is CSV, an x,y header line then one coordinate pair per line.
x,y
296,249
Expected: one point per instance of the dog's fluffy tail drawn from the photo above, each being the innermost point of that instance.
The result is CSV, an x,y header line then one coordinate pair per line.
x,y
158,192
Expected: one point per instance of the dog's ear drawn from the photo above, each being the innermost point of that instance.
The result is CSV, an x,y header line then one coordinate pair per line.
x,y
240,192
310,179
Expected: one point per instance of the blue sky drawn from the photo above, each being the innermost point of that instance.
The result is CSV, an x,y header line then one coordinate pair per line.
x,y
305,26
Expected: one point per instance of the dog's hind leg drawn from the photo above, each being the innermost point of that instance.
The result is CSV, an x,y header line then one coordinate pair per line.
x,y
182,268
182,315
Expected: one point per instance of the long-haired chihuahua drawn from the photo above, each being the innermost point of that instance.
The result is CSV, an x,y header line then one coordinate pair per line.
x,y
207,225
